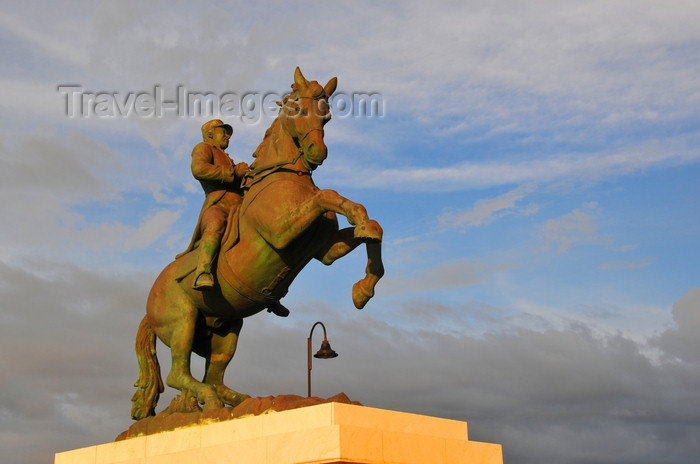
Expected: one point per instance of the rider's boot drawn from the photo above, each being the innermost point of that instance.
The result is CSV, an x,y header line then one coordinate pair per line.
x,y
204,278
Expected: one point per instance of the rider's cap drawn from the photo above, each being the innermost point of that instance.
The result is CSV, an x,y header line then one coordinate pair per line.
x,y
209,125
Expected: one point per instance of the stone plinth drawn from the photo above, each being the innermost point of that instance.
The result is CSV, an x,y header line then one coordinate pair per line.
x,y
323,434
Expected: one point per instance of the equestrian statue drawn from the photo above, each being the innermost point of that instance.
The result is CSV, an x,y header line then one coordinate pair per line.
x,y
250,243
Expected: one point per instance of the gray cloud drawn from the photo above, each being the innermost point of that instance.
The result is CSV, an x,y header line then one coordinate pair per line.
x,y
561,395
65,361
450,274
683,342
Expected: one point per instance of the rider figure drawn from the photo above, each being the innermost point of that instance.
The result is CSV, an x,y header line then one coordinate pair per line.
x,y
220,178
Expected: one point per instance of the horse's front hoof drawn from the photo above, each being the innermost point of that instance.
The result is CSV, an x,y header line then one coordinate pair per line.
x,y
370,230
360,295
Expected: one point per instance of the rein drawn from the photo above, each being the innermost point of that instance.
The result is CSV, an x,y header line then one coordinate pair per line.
x,y
273,166
253,176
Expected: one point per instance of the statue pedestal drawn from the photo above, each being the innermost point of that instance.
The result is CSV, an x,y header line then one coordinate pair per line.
x,y
327,433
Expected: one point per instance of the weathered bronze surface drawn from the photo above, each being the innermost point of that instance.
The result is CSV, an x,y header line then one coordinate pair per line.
x,y
276,222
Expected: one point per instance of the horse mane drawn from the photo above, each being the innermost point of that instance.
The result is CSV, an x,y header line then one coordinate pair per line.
x,y
266,138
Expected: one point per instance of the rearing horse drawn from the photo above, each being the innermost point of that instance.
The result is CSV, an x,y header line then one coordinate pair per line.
x,y
283,222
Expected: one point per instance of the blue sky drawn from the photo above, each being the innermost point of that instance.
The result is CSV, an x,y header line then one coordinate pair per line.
x,y
535,169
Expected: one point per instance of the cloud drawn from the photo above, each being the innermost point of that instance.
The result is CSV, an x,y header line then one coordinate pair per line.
x,y
487,210
44,40
57,183
683,342
521,67
580,168
451,274
573,228
622,265
43,177
65,362
559,395
72,166
124,237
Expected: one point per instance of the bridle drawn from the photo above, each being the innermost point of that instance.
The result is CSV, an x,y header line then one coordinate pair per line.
x,y
253,176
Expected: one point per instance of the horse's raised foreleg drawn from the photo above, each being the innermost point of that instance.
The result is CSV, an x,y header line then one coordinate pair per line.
x,y
286,229
342,243
222,347
355,213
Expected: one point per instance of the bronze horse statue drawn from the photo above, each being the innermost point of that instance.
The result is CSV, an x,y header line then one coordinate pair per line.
x,y
283,222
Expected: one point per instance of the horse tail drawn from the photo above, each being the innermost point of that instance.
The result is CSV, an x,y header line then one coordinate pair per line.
x,y
149,384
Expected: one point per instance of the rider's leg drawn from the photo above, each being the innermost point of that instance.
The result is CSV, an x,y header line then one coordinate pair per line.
x,y
213,225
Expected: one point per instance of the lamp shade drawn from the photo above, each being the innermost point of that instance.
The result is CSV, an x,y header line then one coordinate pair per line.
x,y
326,351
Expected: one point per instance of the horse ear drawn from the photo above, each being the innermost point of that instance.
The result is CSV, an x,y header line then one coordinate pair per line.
x,y
299,78
330,86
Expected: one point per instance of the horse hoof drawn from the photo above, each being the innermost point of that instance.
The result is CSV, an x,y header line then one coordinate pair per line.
x,y
212,404
230,397
370,230
360,295
209,399
184,402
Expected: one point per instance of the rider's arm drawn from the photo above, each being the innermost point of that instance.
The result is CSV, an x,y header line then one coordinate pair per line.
x,y
203,167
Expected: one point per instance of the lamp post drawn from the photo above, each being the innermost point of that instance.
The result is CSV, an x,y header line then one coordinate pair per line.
x,y
324,353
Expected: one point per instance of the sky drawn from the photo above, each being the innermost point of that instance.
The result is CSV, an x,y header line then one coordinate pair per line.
x,y
534,166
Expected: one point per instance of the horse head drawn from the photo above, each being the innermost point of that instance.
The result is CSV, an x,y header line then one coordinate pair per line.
x,y
303,114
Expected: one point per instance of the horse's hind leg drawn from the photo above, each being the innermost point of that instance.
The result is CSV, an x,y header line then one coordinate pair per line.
x,y
176,328
219,352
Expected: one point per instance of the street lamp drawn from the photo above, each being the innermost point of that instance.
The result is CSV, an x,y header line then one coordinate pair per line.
x,y
324,353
